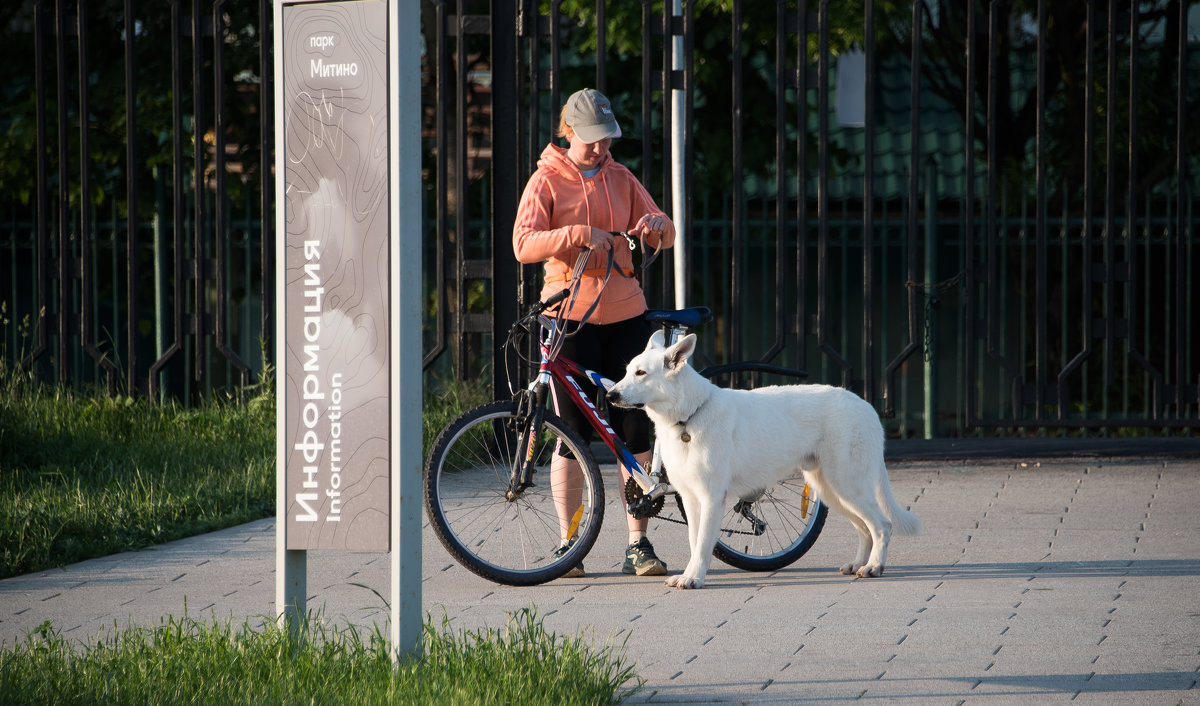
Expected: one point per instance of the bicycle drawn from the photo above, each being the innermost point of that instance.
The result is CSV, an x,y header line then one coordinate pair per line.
x,y
491,515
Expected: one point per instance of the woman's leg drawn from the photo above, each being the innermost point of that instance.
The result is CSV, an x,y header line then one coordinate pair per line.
x,y
637,527
566,485
566,475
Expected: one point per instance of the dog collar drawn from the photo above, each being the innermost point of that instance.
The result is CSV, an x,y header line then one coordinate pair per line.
x,y
684,436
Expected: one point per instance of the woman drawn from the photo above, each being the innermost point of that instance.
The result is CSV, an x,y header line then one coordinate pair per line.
x,y
577,197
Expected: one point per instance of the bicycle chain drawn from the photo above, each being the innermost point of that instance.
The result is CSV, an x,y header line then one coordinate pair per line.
x,y
633,491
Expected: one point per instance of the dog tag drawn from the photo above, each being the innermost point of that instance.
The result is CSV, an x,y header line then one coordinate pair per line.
x,y
685,437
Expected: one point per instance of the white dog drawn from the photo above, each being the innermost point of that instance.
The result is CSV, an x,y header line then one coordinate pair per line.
x,y
719,445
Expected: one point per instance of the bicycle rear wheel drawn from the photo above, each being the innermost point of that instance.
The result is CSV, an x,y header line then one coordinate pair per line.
x,y
777,528
788,519
467,480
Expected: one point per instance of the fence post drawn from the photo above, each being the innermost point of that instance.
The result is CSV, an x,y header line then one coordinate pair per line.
x,y
931,401
506,179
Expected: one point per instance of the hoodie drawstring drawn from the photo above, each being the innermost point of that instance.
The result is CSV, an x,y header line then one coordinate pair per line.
x,y
612,226
598,271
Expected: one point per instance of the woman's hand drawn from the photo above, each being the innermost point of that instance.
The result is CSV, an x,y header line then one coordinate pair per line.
x,y
601,241
650,223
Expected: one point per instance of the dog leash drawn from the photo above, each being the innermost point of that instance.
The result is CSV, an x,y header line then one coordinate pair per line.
x,y
633,246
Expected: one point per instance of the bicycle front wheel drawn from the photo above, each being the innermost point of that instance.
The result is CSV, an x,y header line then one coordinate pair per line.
x,y
505,537
778,527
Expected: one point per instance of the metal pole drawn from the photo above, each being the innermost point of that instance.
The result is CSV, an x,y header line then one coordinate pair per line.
x,y
678,168
405,197
291,565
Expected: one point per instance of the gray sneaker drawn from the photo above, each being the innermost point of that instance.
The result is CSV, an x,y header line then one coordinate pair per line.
x,y
641,560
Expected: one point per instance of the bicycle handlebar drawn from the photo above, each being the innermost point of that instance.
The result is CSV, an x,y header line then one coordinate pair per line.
x,y
539,307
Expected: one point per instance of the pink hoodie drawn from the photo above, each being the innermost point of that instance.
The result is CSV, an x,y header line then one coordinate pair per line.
x,y
558,209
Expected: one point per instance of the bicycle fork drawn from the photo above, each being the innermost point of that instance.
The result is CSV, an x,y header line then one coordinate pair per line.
x,y
528,423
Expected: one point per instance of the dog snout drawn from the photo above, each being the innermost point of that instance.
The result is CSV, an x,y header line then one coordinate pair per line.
x,y
616,399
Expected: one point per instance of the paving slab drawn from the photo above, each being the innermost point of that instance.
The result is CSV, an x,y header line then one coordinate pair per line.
x,y
1052,580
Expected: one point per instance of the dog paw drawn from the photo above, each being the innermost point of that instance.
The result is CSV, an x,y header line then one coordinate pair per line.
x,y
683,582
850,569
870,571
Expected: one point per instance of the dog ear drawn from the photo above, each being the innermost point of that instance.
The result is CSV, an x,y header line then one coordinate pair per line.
x,y
678,354
657,340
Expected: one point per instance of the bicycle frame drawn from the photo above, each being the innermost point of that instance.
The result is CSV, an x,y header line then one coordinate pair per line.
x,y
566,372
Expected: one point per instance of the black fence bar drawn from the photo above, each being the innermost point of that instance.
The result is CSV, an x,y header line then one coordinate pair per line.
x,y
890,386
781,170
220,202
86,273
1088,225
266,184
63,307
441,214
1184,364
804,322
42,214
132,268
869,390
736,270
457,78
1039,160
505,93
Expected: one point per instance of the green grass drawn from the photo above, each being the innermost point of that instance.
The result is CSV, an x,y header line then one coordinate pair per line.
x,y
84,476
186,661
445,400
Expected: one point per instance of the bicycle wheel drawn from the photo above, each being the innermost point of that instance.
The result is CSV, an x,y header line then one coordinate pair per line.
x,y
787,519
778,527
509,541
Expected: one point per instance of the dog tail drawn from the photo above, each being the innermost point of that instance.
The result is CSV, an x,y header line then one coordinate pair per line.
x,y
903,521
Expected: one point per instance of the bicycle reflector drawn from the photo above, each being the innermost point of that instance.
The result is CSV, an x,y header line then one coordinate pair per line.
x,y
575,521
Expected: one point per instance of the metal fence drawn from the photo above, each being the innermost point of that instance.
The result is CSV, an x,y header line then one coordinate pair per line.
x,y
137,254
1004,239
1001,236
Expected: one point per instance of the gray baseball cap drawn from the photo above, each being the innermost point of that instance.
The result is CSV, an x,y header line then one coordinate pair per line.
x,y
591,116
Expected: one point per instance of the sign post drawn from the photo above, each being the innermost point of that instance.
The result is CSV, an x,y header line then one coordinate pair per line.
x,y
348,215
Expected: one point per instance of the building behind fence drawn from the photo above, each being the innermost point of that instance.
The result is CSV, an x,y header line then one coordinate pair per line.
x,y
1023,257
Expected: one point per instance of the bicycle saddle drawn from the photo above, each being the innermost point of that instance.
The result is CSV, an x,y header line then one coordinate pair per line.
x,y
690,317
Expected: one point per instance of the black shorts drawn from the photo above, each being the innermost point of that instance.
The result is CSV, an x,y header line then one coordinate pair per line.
x,y
607,349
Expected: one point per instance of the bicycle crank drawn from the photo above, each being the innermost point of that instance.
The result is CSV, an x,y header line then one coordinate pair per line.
x,y
639,504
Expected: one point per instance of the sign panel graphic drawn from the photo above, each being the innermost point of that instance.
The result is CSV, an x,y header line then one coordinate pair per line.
x,y
335,264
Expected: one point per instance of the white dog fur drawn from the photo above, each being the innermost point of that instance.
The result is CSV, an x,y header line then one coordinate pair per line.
x,y
719,444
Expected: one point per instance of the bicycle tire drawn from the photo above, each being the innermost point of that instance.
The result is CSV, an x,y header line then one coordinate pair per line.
x,y
506,541
793,515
